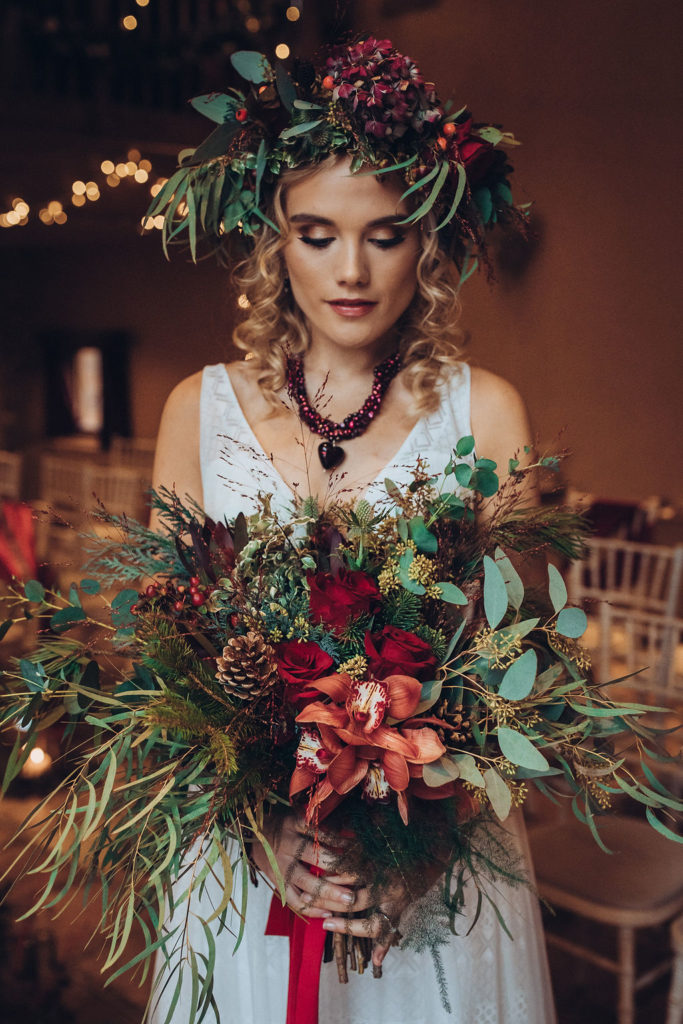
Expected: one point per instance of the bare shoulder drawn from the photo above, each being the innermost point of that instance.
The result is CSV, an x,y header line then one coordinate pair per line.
x,y
491,393
500,421
184,398
176,461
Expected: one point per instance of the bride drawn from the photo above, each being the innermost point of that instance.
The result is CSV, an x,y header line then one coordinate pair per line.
x,y
353,375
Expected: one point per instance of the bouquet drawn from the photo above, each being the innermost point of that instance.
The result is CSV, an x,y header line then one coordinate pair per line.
x,y
382,669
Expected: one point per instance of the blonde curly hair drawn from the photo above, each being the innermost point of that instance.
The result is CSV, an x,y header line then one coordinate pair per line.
x,y
275,327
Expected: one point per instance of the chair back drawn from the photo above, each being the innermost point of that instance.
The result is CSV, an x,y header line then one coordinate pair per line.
x,y
10,475
633,641
121,489
643,577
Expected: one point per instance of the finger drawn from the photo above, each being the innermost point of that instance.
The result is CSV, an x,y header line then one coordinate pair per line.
x,y
379,951
362,927
319,857
351,880
320,835
321,892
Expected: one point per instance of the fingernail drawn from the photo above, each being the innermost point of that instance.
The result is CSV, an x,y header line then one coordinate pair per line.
x,y
349,897
306,897
328,926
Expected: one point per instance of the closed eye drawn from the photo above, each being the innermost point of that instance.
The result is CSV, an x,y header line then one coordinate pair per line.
x,y
388,243
317,243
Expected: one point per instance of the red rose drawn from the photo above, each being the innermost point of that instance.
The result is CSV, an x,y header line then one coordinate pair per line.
x,y
333,601
300,662
394,651
476,154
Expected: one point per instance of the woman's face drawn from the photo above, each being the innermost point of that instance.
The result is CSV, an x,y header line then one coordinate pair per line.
x,y
351,264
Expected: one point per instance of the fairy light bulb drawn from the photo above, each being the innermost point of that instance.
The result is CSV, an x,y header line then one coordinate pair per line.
x,y
282,51
292,13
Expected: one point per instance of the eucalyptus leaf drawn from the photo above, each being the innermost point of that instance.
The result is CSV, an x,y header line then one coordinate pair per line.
x,y
468,770
519,678
89,586
431,691
299,129
571,622
485,481
438,773
457,198
285,86
428,203
450,593
548,678
65,618
34,591
661,827
252,65
465,446
495,593
511,578
306,105
410,585
556,588
519,749
463,474
34,676
498,792
425,541
216,106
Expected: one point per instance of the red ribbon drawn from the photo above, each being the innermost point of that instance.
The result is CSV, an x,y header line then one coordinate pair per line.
x,y
306,947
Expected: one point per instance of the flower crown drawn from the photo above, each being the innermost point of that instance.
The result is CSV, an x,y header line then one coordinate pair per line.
x,y
366,100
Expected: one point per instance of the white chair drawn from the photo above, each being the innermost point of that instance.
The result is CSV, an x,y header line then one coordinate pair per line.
x,y
633,641
645,577
10,475
120,489
638,886
135,452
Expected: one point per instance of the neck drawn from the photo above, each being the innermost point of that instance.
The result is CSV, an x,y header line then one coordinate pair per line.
x,y
325,359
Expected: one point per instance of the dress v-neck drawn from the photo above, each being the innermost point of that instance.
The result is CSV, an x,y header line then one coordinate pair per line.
x,y
275,473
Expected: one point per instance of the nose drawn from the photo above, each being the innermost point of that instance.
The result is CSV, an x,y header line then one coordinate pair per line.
x,y
352,266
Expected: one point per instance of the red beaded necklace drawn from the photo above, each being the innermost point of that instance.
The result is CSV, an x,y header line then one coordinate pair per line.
x,y
356,423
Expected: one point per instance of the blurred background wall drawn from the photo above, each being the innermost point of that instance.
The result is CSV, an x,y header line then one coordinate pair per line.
x,y
583,318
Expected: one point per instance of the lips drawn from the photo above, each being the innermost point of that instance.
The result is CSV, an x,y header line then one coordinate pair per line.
x,y
352,307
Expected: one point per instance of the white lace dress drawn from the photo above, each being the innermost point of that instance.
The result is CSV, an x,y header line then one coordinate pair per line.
x,y
491,979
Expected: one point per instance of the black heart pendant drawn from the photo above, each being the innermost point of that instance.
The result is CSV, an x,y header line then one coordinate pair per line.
x,y
330,454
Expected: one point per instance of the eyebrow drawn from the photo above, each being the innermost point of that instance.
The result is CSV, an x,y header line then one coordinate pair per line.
x,y
313,218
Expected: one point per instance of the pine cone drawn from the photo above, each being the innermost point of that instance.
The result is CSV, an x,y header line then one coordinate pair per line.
x,y
247,667
455,716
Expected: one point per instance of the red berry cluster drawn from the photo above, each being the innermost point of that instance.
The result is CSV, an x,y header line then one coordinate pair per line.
x,y
173,597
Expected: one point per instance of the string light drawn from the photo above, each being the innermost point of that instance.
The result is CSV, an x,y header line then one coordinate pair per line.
x,y
252,24
282,51
292,13
142,3
53,212
243,302
130,22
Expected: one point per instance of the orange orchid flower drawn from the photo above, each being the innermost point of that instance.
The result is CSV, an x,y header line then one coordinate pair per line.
x,y
359,739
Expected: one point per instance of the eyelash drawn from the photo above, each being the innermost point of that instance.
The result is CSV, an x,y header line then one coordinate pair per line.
x,y
381,243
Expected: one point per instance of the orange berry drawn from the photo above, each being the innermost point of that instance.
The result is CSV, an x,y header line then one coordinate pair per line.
x,y
441,142
241,114
328,82
449,128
